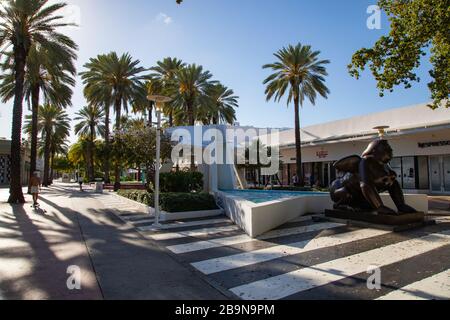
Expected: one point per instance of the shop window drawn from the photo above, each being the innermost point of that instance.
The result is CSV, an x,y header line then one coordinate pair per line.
x,y
396,165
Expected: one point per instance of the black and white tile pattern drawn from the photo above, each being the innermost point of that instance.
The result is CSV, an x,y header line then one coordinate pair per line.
x,y
305,259
5,169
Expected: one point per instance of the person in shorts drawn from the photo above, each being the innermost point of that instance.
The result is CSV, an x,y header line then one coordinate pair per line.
x,y
80,182
35,183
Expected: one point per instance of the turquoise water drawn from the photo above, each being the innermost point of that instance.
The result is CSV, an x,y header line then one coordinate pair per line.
x,y
260,196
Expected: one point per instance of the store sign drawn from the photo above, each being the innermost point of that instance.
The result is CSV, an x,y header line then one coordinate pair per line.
x,y
434,144
322,154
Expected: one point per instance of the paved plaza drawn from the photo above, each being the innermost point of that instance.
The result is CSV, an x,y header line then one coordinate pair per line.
x,y
122,257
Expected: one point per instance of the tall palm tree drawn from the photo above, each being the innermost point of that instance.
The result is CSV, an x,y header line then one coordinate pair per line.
x,y
221,105
142,104
58,146
52,121
299,73
191,85
116,80
165,72
48,73
91,124
25,23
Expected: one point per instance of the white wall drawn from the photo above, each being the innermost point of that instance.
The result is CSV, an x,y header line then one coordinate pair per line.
x,y
405,145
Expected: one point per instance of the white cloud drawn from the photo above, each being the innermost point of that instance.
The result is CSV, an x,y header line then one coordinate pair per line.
x,y
162,17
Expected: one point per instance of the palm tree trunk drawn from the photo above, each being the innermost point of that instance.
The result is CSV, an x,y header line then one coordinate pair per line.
x,y
46,179
298,143
118,107
171,118
190,110
15,191
35,91
91,155
51,166
107,164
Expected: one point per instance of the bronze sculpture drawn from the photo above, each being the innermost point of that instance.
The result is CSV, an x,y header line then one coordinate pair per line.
x,y
364,178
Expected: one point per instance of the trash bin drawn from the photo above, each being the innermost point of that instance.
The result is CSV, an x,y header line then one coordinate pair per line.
x,y
99,187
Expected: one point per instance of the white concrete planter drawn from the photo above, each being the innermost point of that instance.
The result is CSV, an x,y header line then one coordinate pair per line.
x,y
170,216
256,219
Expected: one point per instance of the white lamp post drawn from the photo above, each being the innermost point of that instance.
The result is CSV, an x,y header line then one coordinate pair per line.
x,y
159,104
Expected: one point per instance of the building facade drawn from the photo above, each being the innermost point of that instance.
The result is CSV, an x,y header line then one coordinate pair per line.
x,y
419,136
5,163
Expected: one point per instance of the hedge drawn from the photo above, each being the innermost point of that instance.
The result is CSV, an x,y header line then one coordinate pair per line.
x,y
181,182
173,202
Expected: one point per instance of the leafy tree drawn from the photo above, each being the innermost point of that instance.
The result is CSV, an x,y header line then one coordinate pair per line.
x,y
26,23
299,73
137,147
417,27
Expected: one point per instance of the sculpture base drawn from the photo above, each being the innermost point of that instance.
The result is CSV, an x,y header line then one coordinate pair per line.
x,y
395,223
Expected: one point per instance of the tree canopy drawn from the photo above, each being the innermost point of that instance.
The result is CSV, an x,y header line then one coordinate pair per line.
x,y
418,28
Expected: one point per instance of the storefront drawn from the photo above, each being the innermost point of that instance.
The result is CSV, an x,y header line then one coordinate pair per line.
x,y
419,136
5,163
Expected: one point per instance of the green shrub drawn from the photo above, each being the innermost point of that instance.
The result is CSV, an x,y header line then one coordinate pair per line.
x,y
183,202
180,182
173,202
135,195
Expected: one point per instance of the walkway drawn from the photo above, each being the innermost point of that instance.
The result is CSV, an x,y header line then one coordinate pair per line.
x,y
75,229
122,257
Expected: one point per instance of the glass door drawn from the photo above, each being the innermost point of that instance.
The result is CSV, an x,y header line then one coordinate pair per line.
x,y
436,174
446,170
409,173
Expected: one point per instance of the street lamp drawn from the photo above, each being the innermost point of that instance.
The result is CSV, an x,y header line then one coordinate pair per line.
x,y
381,131
159,104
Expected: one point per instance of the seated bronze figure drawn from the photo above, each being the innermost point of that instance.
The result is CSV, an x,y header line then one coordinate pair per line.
x,y
364,178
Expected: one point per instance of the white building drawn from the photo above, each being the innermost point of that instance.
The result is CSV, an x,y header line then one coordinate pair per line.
x,y
419,136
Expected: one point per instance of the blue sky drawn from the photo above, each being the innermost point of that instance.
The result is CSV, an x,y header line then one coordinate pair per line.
x,y
233,39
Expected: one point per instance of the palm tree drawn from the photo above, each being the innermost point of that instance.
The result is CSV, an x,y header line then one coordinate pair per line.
x,y
299,72
191,85
48,73
221,106
25,23
52,121
90,126
142,104
96,92
58,146
115,80
165,73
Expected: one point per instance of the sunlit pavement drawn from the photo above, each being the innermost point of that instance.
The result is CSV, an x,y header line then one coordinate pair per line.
x,y
40,248
200,259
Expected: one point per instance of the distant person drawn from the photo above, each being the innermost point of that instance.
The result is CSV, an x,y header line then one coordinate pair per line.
x,y
312,180
295,180
80,182
35,184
